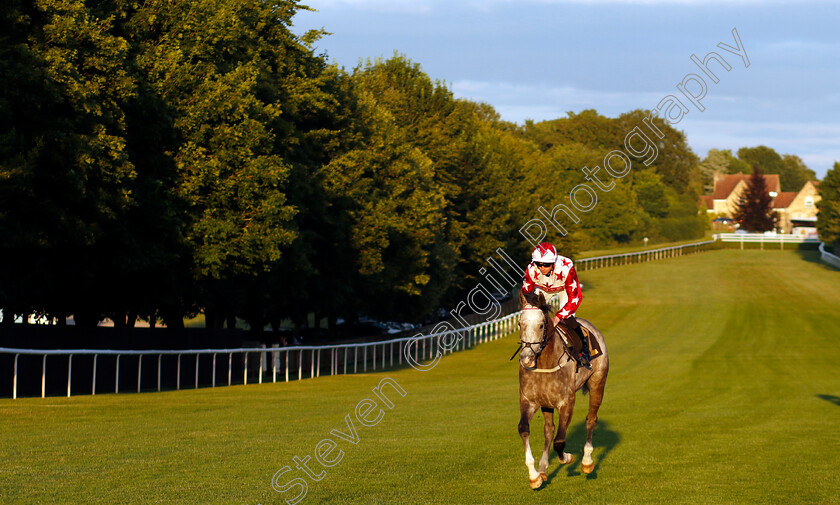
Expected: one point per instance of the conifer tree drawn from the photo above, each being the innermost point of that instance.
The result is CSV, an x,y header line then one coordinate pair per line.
x,y
755,207
828,219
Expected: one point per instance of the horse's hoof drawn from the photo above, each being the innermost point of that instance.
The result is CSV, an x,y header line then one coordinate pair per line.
x,y
544,476
535,483
587,469
567,458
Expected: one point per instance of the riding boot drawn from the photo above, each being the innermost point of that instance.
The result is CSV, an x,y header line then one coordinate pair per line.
x,y
584,356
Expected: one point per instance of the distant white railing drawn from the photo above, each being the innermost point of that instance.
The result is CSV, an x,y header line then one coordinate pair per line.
x,y
829,258
642,256
760,238
294,362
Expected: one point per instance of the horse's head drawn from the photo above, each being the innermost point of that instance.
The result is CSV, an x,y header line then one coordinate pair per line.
x,y
534,327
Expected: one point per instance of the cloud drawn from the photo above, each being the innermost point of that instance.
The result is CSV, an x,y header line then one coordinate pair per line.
x,y
803,45
517,102
384,6
815,143
426,5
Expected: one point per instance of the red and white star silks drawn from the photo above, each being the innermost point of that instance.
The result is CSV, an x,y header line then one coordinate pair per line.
x,y
563,278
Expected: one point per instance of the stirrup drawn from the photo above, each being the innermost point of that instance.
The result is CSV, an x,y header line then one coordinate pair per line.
x,y
584,362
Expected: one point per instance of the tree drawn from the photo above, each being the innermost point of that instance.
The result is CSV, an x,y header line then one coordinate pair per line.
x,y
236,85
828,219
720,161
676,164
795,174
754,210
650,193
65,173
389,192
792,171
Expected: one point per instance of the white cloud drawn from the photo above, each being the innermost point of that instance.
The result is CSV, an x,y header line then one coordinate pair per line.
x,y
517,102
425,5
815,143
392,6
803,45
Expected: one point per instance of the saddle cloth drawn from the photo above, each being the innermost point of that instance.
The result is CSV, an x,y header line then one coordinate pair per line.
x,y
573,342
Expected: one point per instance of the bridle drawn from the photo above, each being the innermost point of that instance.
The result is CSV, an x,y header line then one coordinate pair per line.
x,y
546,338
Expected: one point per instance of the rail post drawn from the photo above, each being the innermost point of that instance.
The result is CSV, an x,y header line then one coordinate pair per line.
x,y
275,357
93,383
14,379
69,373
139,370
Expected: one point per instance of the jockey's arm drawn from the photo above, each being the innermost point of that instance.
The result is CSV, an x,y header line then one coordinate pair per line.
x,y
529,284
574,296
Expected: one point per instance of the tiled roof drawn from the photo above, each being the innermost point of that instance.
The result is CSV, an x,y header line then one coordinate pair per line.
x,y
708,201
725,185
784,199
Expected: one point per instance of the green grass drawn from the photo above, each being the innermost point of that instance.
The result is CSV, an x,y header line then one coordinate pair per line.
x,y
724,389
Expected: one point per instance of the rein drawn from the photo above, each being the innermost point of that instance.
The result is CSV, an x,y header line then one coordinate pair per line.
x,y
542,345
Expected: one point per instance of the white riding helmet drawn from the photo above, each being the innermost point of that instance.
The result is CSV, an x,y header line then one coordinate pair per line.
x,y
544,253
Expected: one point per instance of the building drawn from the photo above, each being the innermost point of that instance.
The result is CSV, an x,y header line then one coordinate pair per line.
x,y
799,216
796,210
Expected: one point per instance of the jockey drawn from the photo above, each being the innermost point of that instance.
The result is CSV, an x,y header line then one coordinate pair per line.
x,y
552,274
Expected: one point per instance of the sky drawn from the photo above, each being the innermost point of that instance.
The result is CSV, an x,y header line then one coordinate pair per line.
x,y
539,59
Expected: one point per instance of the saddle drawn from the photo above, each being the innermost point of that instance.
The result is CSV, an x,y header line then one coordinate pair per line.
x,y
573,343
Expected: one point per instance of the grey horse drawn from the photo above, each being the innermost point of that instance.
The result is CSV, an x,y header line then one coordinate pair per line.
x,y
549,379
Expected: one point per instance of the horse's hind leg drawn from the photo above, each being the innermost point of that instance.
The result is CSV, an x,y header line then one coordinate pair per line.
x,y
596,395
548,414
527,411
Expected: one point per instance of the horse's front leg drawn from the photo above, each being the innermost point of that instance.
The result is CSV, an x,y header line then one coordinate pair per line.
x,y
548,415
563,421
527,410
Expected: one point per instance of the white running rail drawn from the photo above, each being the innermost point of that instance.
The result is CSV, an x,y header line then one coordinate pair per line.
x,y
290,363
827,257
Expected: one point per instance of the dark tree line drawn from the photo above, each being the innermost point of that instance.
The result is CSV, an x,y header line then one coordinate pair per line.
x,y
162,158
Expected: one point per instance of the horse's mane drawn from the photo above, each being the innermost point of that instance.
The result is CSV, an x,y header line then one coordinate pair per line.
x,y
533,300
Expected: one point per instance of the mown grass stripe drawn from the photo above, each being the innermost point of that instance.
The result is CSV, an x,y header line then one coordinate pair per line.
x,y
724,388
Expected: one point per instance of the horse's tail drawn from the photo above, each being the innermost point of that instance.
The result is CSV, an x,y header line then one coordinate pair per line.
x,y
585,388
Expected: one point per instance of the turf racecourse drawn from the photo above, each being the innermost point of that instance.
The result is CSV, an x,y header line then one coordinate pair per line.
x,y
724,388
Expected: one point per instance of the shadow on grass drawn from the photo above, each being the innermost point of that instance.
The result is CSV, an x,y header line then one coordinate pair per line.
x,y
603,436
811,256
830,398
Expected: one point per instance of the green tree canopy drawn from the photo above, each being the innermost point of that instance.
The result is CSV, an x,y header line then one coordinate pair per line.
x,y
792,171
828,218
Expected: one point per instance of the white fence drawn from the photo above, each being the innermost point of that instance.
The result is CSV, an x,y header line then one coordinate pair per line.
x,y
290,363
762,239
829,258
642,256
